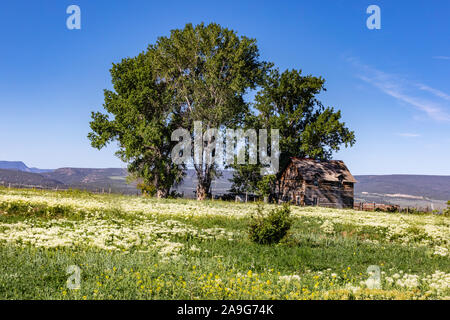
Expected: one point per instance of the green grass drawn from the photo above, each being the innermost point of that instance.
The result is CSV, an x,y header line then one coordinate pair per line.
x,y
30,273
330,265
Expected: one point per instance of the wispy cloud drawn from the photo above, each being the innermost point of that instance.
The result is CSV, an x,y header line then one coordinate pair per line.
x,y
409,135
442,57
430,101
436,92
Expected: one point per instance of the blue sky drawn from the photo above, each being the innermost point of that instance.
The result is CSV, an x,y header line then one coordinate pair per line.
x,y
392,84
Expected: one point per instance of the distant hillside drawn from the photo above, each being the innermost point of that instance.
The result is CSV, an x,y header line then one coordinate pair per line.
x,y
19,165
405,190
13,165
16,178
435,187
17,174
85,175
417,191
94,179
189,184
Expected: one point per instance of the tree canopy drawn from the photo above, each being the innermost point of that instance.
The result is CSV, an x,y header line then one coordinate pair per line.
x,y
288,101
201,73
141,114
209,68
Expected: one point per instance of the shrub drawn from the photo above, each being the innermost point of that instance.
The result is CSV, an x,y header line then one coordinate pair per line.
x,y
77,193
446,212
270,228
266,185
147,190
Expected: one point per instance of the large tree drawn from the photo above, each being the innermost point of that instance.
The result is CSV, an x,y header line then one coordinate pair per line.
x,y
141,114
209,68
288,101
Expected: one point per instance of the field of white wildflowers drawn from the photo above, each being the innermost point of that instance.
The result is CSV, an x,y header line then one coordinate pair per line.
x,y
140,248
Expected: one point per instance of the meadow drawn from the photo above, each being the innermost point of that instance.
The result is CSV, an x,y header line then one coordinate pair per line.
x,y
130,247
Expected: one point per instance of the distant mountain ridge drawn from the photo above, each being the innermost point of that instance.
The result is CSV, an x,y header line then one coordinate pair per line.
x,y
16,165
17,174
17,179
19,165
370,188
435,187
84,175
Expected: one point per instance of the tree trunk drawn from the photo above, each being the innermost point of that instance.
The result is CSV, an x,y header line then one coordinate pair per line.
x,y
203,190
162,193
204,181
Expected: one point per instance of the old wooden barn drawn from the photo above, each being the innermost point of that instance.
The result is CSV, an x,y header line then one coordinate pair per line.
x,y
311,182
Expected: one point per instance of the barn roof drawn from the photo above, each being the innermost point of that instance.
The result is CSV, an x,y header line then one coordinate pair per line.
x,y
311,169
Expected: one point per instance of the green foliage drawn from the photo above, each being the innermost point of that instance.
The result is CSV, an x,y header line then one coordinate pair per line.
x,y
391,209
270,228
201,73
77,193
447,211
21,208
147,190
198,73
266,186
218,268
245,179
288,102
40,273
209,68
140,116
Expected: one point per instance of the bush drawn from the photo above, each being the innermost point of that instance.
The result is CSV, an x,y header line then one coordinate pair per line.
x,y
270,228
266,185
147,190
446,212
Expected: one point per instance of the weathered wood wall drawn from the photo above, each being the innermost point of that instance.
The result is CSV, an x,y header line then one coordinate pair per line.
x,y
293,188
